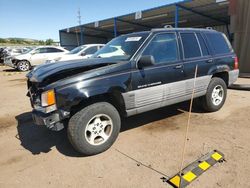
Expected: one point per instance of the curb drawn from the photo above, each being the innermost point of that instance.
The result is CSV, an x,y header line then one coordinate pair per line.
x,y
243,87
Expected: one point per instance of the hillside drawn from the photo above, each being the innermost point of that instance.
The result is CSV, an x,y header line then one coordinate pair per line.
x,y
24,41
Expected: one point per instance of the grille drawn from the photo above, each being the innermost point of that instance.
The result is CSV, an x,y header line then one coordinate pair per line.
x,y
33,93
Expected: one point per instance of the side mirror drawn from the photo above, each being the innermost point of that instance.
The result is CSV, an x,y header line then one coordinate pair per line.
x,y
83,54
33,53
146,61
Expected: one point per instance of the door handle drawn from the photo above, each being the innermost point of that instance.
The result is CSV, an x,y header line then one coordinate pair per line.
x,y
210,61
178,66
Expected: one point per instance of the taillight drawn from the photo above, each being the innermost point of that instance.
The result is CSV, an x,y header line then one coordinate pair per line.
x,y
236,63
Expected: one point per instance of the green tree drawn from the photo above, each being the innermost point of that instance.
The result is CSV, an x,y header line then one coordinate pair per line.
x,y
49,42
2,40
41,42
13,41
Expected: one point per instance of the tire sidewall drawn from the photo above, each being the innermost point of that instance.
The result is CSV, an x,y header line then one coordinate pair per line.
x,y
208,98
79,122
18,64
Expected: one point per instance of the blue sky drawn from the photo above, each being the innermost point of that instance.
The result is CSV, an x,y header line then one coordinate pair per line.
x,y
41,19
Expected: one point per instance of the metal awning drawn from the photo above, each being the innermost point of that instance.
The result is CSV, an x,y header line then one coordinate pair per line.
x,y
186,13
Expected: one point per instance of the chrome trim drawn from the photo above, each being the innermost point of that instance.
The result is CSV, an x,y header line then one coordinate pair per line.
x,y
198,44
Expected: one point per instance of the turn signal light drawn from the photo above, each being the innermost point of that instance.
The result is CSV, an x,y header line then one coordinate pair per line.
x,y
48,98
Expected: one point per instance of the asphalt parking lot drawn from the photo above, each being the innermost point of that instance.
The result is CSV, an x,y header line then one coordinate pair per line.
x,y
32,156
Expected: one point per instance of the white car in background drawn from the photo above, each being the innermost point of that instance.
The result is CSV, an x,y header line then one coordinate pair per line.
x,y
80,52
113,51
33,57
14,51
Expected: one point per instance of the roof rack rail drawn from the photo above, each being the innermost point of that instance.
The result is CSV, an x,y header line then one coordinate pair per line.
x,y
168,26
209,28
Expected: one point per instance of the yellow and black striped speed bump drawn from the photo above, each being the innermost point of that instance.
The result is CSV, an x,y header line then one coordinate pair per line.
x,y
195,169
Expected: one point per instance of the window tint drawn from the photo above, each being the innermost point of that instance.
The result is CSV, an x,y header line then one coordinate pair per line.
x,y
41,50
53,50
163,48
202,44
91,50
17,50
218,43
99,47
190,45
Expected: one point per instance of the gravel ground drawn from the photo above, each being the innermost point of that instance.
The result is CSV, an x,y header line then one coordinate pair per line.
x,y
32,156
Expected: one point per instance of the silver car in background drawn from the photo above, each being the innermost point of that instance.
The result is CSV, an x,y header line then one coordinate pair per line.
x,y
33,57
80,52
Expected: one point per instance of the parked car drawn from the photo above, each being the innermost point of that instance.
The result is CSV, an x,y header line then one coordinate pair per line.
x,y
14,51
3,54
80,52
33,57
152,70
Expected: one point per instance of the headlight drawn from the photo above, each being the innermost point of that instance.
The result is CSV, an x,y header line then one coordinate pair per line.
x,y
50,61
48,98
58,59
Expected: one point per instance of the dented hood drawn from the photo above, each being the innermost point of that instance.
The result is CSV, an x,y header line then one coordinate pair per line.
x,y
67,68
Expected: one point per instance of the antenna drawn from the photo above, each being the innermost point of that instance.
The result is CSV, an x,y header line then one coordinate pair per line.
x,y
79,16
79,22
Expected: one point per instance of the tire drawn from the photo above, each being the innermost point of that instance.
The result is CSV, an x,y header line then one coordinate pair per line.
x,y
215,96
23,65
90,135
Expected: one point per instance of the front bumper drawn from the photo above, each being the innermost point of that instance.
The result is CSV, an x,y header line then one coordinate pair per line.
x,y
52,121
8,62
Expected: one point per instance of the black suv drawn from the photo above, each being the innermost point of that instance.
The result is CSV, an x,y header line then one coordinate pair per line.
x,y
132,74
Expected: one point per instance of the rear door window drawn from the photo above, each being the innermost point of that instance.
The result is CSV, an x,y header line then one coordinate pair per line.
x,y
53,50
190,45
41,50
219,43
91,50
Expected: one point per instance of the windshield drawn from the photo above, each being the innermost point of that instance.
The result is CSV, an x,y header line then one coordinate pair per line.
x,y
77,50
122,48
27,50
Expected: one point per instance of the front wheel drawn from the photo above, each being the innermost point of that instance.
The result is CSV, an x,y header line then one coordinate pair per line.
x,y
215,96
94,129
23,65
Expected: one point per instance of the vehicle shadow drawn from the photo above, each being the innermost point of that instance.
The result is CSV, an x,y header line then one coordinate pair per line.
x,y
10,70
38,139
158,114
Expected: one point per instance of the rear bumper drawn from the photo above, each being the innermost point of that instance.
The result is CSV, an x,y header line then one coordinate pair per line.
x,y
51,121
233,76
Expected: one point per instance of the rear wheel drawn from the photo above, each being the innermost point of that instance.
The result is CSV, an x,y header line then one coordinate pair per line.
x,y
215,96
94,129
23,65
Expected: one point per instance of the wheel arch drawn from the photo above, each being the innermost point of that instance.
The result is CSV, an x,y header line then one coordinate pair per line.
x,y
220,71
18,60
111,95
224,75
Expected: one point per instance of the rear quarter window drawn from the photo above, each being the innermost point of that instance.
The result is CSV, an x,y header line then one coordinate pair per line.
x,y
202,45
219,43
190,45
